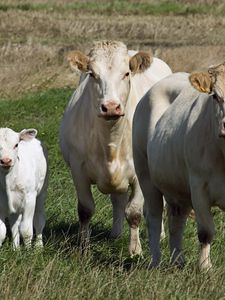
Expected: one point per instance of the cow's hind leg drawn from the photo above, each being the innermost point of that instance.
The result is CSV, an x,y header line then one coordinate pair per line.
x,y
205,236
153,209
119,202
153,205
205,224
177,217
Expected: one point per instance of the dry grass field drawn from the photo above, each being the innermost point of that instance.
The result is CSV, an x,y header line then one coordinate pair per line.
x,y
35,37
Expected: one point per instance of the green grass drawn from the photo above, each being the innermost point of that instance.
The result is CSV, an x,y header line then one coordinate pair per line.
x,y
105,271
124,7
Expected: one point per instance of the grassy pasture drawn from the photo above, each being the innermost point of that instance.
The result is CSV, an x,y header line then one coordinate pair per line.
x,y
35,85
35,41
124,7
105,271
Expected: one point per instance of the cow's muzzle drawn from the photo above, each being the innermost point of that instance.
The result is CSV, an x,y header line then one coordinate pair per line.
x,y
6,163
111,110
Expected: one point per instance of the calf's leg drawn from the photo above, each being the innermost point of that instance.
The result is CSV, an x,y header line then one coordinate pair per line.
x,y
26,225
39,219
2,230
39,214
14,221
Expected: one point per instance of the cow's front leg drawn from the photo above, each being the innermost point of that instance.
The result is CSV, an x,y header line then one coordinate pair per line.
x,y
86,208
119,202
134,212
86,205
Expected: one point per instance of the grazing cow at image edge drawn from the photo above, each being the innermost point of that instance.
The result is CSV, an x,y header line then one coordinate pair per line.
x,y
95,134
23,185
185,154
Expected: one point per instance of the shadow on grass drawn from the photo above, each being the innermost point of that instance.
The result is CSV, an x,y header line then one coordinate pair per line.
x,y
69,232
102,250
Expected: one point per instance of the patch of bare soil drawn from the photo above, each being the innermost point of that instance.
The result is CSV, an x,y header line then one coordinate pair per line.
x,y
33,45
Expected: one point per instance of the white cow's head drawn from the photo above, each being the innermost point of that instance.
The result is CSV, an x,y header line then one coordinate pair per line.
x,y
9,141
110,69
213,82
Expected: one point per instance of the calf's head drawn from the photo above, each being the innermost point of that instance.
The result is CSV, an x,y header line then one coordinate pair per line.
x,y
110,69
9,141
213,82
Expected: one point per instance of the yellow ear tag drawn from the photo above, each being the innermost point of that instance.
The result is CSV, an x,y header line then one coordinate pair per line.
x,y
204,90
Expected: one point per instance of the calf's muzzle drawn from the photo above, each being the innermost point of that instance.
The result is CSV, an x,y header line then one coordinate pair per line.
x,y
6,162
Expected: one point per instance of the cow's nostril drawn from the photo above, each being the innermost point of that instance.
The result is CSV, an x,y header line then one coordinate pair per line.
x,y
5,161
118,108
104,109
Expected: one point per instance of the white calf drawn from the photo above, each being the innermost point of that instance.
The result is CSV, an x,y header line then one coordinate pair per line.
x,y
23,185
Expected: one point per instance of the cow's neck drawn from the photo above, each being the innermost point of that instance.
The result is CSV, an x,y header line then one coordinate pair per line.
x,y
114,136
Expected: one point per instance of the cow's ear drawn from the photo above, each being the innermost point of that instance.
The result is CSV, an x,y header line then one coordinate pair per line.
x,y
78,61
27,134
140,62
201,82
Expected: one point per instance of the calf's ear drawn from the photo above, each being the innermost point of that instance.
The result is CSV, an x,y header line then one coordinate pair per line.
x,y
78,61
140,62
27,134
201,82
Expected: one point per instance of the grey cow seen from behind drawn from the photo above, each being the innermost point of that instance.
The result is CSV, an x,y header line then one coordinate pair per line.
x,y
185,146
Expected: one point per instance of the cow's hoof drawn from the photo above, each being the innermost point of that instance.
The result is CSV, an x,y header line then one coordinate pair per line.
x,y
162,235
205,267
114,235
178,261
135,250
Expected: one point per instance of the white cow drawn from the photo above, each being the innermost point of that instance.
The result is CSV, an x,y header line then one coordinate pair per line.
x,y
185,155
23,185
95,134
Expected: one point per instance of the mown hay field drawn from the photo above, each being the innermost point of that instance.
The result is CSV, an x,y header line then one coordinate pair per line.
x,y
35,85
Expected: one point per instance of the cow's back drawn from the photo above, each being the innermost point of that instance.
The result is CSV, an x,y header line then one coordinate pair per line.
x,y
144,81
151,107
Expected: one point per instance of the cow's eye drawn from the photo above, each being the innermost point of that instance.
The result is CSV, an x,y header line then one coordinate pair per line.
x,y
126,75
93,75
16,146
